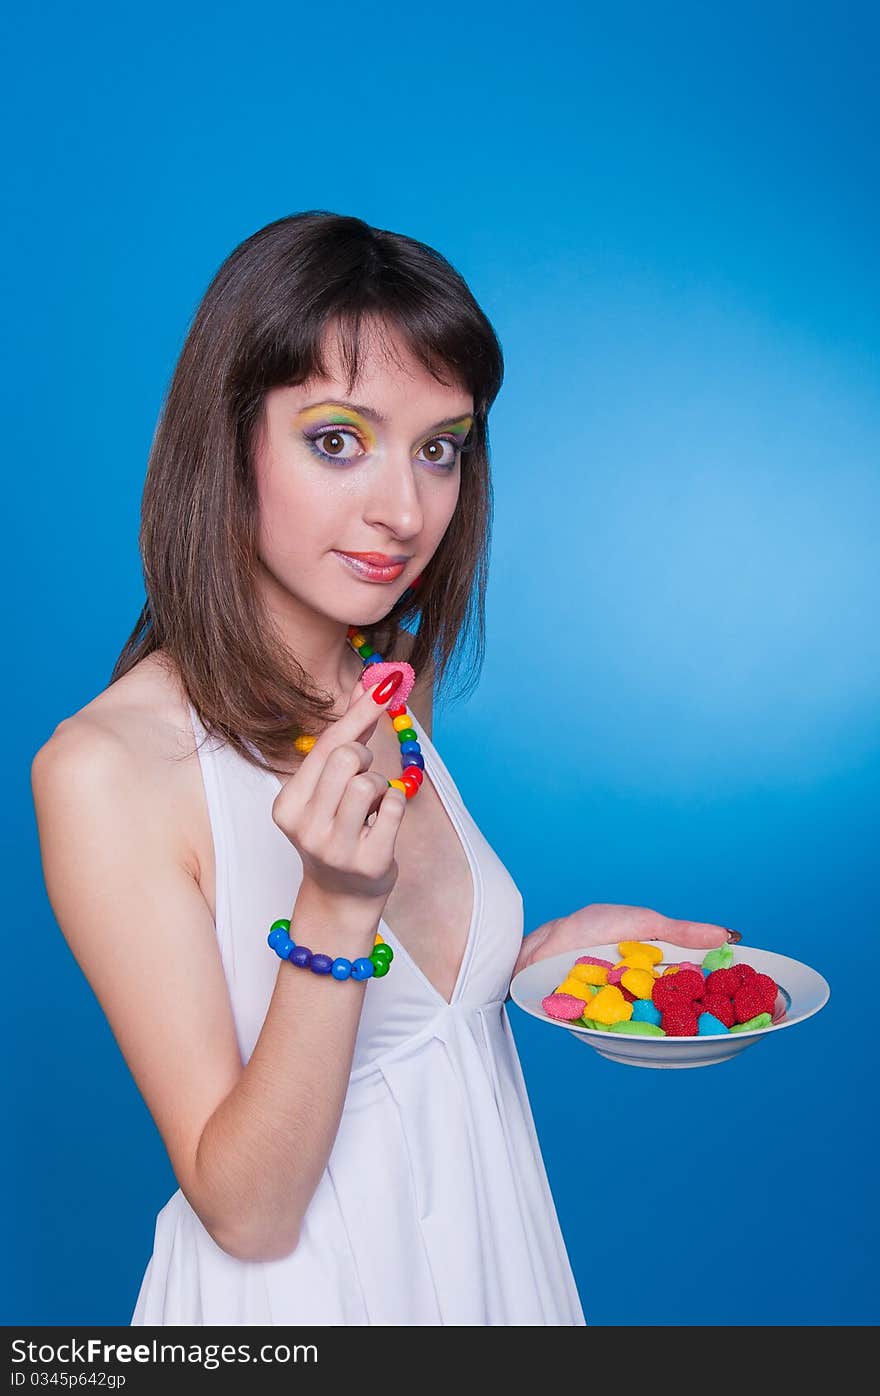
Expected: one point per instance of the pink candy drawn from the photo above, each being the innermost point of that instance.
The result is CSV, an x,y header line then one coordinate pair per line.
x,y
375,673
563,1006
591,960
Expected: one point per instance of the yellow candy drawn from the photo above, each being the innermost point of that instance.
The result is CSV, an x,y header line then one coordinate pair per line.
x,y
672,969
609,1006
640,947
577,987
590,974
639,982
635,962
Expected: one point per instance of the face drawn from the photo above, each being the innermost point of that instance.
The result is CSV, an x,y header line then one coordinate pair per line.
x,y
376,471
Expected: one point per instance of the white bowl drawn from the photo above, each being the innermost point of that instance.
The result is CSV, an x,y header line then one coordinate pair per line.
x,y
803,992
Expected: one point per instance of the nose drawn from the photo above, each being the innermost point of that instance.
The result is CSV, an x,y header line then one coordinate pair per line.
x,y
393,502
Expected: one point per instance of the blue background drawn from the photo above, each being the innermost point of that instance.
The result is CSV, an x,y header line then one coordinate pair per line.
x,y
668,214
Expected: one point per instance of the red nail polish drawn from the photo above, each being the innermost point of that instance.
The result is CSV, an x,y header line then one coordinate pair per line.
x,y
388,686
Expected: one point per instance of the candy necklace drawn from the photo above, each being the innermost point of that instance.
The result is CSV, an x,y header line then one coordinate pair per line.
x,y
413,765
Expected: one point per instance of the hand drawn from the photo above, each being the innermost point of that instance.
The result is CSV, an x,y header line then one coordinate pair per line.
x,y
324,805
603,923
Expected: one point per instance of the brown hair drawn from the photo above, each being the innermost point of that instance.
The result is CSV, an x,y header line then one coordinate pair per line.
x,y
261,324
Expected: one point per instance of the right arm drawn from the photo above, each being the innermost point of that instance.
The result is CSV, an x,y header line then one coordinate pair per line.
x,y
248,1144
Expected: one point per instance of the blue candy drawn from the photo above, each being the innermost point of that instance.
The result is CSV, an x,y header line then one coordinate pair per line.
x,y
644,1011
707,1024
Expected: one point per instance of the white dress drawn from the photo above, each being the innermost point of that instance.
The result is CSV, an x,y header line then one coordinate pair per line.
x,y
434,1207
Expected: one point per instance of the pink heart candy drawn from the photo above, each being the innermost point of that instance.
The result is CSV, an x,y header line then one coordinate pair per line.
x,y
374,674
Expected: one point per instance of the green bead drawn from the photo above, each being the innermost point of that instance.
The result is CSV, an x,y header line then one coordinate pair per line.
x,y
383,950
380,966
365,651
407,735
282,925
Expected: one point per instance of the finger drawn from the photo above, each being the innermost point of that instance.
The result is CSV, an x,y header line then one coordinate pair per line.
x,y
360,795
380,836
343,767
701,935
357,724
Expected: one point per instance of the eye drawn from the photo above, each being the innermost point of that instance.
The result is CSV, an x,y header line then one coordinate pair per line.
x,y
335,437
436,454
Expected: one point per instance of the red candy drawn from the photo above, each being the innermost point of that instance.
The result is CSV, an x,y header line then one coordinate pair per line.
x,y
679,1020
721,1005
727,981
684,988
757,995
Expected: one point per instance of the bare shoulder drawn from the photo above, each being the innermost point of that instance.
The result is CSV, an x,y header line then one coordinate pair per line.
x,y
135,733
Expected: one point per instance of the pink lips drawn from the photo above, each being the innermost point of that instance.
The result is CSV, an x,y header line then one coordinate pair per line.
x,y
374,567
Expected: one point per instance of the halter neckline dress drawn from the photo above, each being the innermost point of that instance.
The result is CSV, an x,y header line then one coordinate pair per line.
x,y
434,1207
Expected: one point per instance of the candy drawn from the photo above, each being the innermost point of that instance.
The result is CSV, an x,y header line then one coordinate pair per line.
x,y
640,982
375,673
656,1000
638,1028
609,1006
761,1020
573,986
644,1011
590,974
635,962
721,1007
719,958
707,1024
640,947
682,988
679,1021
563,1006
756,995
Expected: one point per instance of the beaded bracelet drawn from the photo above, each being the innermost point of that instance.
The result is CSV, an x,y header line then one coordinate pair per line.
x,y
365,967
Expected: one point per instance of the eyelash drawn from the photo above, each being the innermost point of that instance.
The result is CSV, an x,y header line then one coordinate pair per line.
x,y
314,437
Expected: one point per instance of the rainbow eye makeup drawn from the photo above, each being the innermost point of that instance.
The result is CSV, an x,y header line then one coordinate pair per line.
x,y
336,420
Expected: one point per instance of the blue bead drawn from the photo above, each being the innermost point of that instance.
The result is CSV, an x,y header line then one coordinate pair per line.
x,y
300,955
362,968
341,968
410,745
413,758
373,659
277,937
284,947
321,964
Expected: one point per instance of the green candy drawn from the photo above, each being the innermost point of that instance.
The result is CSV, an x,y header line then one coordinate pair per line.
x,y
591,1023
719,958
761,1020
638,1029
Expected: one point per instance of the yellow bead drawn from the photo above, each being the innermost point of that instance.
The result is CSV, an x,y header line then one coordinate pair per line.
x,y
398,723
398,785
358,639
379,939
305,743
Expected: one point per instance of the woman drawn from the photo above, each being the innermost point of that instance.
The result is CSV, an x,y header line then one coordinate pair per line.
x,y
347,1151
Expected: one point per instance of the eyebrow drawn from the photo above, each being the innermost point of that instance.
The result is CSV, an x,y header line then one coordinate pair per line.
x,y
373,416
